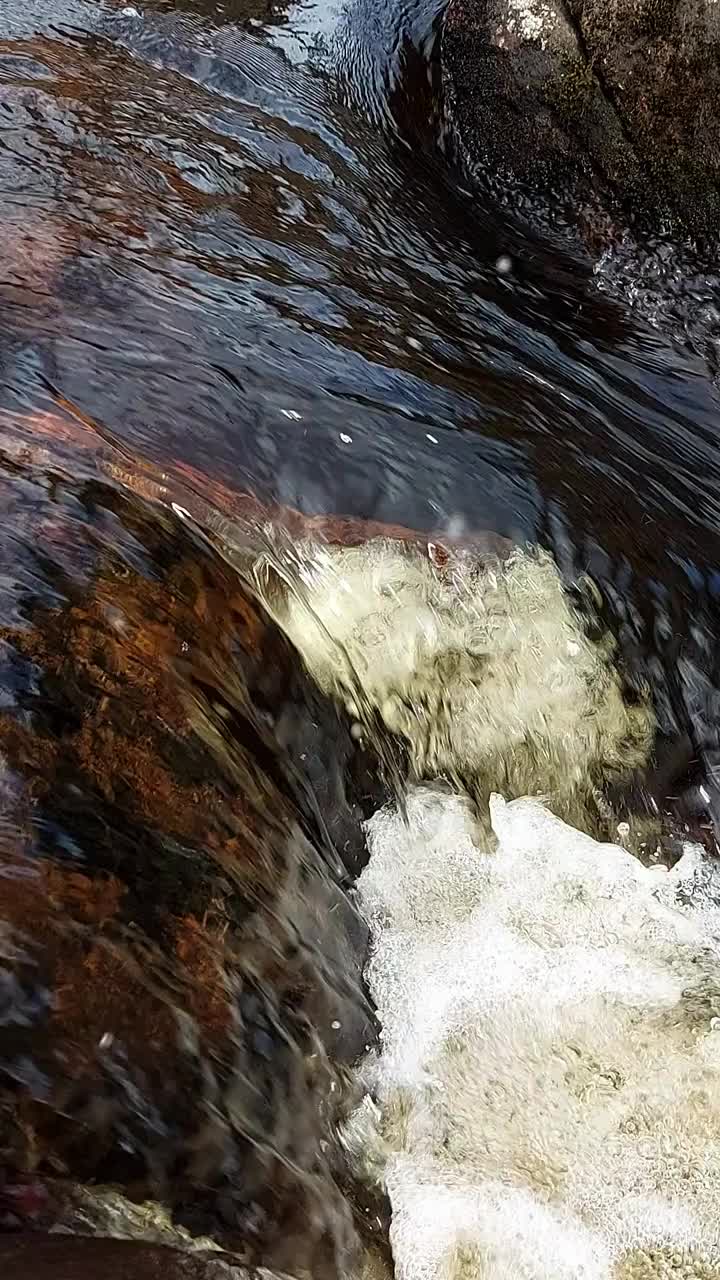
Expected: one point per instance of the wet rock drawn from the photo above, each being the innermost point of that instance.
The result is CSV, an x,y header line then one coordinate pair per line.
x,y
176,939
611,106
67,438
45,1257
53,1257
525,104
659,64
241,518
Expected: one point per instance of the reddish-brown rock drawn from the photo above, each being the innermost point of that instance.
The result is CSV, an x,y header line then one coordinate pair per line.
x,y
181,970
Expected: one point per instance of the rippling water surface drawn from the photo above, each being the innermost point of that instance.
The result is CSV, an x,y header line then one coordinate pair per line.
x,y
231,237
236,238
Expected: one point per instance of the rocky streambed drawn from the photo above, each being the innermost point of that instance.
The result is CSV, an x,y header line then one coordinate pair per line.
x,y
184,1004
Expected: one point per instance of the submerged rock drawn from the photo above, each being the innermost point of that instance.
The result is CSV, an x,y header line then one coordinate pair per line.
x,y
45,1257
180,979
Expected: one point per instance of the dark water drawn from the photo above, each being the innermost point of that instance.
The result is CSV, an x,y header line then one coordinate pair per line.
x,y
237,238
203,235
235,245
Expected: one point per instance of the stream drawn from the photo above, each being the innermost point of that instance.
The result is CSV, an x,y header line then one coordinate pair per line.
x,y
239,256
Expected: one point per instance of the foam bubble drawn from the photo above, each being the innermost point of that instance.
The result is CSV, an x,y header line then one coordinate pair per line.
x,y
548,1086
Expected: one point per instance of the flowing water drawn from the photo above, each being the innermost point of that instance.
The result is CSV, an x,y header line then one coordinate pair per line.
x,y
238,255
237,240
546,1102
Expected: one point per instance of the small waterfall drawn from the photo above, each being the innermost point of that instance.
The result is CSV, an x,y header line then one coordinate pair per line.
x,y
545,1101
479,668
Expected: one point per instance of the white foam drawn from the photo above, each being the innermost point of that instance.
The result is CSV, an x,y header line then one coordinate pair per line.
x,y
549,1078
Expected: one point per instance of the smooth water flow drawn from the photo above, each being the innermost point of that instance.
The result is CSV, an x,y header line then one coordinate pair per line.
x,y
232,252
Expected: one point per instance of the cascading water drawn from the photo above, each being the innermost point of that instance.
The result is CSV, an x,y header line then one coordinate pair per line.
x,y
545,1102
547,1093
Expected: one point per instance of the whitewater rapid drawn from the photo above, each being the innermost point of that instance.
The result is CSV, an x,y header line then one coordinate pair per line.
x,y
545,1102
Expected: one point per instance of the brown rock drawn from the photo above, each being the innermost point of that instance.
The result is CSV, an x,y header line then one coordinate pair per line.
x,y
40,1257
67,437
177,942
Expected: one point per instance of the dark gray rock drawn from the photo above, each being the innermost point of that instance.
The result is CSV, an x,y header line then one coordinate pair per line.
x,y
659,63
610,104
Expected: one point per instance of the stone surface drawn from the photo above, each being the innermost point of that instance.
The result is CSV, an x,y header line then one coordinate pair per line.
x,y
659,64
46,1257
180,977
612,104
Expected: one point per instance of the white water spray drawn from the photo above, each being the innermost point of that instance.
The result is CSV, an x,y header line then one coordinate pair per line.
x,y
546,1101
548,1087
